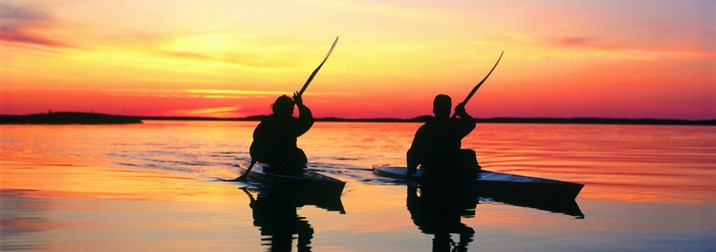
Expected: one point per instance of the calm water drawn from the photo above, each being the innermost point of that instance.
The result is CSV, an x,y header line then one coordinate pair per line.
x,y
154,187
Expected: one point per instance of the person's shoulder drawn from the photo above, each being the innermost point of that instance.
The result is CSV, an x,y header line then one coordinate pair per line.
x,y
269,120
429,120
461,120
429,123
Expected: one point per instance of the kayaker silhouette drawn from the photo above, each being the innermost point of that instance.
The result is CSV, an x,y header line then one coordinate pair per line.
x,y
437,210
278,221
437,143
275,137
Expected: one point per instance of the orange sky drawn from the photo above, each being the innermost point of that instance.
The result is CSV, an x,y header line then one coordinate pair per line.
x,y
629,59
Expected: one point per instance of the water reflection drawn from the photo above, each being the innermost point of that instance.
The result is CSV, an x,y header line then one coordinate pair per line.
x,y
524,199
437,210
275,214
21,219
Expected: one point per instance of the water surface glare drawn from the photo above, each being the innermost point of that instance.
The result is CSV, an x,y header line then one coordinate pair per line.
x,y
155,187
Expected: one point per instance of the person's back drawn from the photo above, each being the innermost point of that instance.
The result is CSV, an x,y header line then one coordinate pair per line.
x,y
437,143
276,136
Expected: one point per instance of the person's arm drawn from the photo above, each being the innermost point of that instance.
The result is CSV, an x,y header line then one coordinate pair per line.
x,y
258,145
305,117
256,150
466,122
412,162
413,154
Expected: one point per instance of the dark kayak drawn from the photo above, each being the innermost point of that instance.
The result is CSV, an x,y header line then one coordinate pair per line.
x,y
305,183
501,182
538,193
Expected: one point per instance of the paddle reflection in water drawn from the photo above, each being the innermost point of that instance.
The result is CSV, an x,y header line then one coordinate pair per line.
x,y
275,214
437,209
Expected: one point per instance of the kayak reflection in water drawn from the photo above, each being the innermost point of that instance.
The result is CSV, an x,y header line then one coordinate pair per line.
x,y
278,221
436,146
437,211
275,137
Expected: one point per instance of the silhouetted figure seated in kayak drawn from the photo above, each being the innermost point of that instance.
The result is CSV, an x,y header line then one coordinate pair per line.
x,y
275,137
437,210
436,146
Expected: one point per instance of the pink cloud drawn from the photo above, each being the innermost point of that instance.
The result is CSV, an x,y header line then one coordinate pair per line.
x,y
587,42
19,24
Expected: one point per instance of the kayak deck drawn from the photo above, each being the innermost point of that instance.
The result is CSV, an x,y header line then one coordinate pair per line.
x,y
307,182
502,183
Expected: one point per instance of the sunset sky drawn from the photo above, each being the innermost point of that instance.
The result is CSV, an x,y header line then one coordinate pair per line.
x,y
232,58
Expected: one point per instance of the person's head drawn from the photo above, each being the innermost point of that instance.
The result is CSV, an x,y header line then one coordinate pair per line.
x,y
441,106
283,106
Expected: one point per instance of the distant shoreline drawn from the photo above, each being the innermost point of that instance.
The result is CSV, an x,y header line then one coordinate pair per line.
x,y
97,118
68,118
537,120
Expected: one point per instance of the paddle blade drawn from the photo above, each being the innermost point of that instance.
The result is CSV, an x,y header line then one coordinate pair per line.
x,y
310,78
244,177
474,89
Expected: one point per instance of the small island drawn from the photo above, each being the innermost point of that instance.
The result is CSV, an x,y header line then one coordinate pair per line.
x,y
68,118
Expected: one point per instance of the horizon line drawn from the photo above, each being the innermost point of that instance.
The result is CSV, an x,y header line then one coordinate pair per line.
x,y
423,118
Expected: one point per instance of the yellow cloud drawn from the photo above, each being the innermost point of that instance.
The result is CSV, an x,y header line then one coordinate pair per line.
x,y
232,111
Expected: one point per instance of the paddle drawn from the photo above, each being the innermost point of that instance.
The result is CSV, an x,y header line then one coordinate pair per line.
x,y
310,78
303,89
474,89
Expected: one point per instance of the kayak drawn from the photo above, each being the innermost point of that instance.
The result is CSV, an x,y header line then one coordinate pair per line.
x,y
538,193
500,183
306,183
